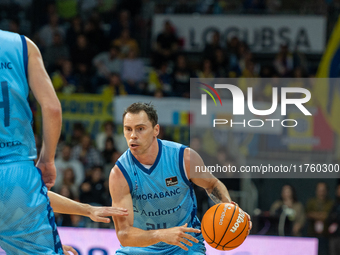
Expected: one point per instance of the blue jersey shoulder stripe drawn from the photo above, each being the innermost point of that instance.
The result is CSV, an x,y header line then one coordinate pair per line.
x,y
127,177
180,163
25,52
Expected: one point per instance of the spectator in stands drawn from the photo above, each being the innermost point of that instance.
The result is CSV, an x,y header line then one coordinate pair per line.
x,y
334,225
69,181
125,43
244,56
161,80
107,63
132,73
115,87
93,190
78,132
73,31
158,93
207,71
108,150
231,53
249,70
293,210
108,166
64,80
109,131
84,79
181,77
95,34
45,35
283,62
118,25
166,45
86,153
317,210
300,60
220,63
55,54
210,48
82,54
63,162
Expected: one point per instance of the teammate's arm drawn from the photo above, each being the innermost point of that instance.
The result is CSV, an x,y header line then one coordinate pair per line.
x,y
136,237
61,204
43,91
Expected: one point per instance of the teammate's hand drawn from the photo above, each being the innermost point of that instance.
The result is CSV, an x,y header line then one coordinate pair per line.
x,y
67,248
100,214
249,219
177,236
49,173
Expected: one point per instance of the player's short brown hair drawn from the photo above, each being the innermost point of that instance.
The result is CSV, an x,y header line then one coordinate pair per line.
x,y
148,108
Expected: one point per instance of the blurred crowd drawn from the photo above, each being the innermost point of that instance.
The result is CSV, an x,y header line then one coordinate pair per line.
x,y
96,47
319,217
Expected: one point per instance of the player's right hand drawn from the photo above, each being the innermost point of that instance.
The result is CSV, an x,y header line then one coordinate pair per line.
x,y
248,216
177,236
49,173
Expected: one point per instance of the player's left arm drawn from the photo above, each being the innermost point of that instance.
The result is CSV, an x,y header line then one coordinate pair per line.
x,y
61,204
216,190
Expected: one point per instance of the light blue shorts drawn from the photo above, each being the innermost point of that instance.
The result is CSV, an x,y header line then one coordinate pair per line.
x,y
27,223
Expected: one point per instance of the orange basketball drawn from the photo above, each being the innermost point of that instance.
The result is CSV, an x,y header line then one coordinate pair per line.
x,y
225,226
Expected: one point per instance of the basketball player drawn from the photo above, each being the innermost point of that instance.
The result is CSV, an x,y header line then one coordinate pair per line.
x,y
26,217
152,180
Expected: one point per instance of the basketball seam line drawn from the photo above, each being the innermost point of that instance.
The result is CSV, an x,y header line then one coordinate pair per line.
x,y
228,225
214,221
202,226
237,236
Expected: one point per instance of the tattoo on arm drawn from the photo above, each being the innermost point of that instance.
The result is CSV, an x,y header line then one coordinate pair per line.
x,y
215,195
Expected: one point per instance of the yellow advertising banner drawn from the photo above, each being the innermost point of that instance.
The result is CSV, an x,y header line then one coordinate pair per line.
x,y
90,110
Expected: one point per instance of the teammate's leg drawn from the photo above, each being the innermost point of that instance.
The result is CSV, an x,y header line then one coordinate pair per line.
x,y
26,218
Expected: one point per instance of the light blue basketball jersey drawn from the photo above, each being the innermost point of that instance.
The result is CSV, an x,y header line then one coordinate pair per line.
x,y
16,135
162,196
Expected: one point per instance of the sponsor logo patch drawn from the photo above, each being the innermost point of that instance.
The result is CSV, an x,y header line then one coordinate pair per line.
x,y
171,181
